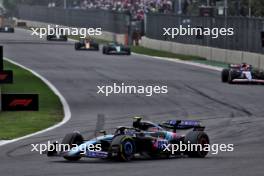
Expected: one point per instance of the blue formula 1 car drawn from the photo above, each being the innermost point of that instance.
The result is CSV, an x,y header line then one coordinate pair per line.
x,y
143,138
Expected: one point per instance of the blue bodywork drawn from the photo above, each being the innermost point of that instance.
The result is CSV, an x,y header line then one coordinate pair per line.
x,y
85,152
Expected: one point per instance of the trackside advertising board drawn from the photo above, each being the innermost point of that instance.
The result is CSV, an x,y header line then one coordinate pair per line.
x,y
6,77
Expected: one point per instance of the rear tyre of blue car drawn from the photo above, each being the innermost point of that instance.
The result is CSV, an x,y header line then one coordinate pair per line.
x,y
71,139
123,148
200,138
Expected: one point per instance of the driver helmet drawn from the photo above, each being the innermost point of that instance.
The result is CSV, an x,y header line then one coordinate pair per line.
x,y
244,66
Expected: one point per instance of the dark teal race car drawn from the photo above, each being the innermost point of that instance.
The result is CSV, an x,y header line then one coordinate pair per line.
x,y
7,29
57,38
116,48
143,138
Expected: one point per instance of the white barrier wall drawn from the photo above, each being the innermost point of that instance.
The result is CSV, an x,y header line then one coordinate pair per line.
x,y
120,38
210,53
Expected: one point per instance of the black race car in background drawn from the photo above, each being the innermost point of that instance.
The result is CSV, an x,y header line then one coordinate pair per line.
x,y
87,44
242,73
7,29
116,48
57,37
142,138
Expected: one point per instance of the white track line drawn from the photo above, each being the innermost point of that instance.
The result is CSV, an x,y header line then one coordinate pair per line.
x,y
66,108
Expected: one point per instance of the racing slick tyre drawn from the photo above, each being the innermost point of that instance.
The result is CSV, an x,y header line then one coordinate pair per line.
x,y
48,38
77,46
123,148
64,38
105,50
232,75
128,52
197,137
72,138
225,74
96,47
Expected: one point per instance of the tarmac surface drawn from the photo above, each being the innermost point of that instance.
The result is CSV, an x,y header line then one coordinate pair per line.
x,y
233,114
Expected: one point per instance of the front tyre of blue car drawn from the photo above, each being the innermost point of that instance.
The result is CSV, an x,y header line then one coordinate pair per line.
x,y
123,148
71,140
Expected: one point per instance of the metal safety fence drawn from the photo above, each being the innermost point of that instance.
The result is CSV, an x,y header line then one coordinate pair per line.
x,y
91,18
248,32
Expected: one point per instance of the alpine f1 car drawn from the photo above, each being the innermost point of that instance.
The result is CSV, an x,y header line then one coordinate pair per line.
x,y
87,44
7,29
242,73
143,138
57,38
116,48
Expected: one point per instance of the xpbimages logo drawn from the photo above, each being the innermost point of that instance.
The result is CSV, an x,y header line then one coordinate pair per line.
x,y
122,88
189,147
197,31
57,30
55,146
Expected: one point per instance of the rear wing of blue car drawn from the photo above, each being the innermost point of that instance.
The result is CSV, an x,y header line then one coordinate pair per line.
x,y
183,124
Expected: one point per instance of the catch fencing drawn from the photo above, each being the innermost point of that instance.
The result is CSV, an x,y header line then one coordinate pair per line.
x,y
247,31
91,18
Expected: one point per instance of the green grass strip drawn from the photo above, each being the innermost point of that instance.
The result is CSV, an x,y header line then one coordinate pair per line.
x,y
17,124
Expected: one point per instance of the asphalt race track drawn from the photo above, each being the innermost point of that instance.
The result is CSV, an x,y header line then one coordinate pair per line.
x,y
232,113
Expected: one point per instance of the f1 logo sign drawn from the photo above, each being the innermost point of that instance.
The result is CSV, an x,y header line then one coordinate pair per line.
x,y
20,102
3,77
6,77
